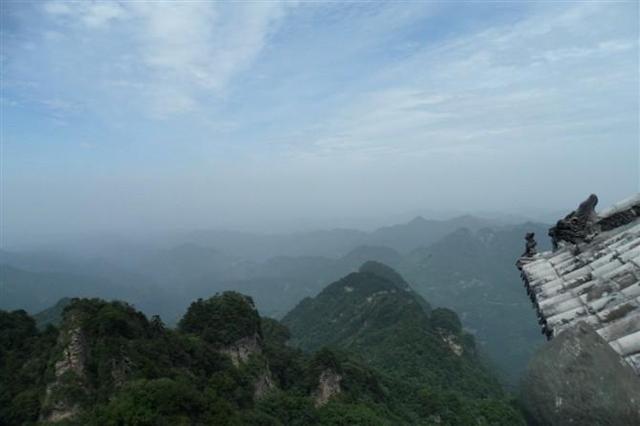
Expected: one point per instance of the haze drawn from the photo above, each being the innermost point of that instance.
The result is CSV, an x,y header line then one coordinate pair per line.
x,y
273,116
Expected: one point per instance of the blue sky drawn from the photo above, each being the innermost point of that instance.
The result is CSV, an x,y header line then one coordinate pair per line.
x,y
263,115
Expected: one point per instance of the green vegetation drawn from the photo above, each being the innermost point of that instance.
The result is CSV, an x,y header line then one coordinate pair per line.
x,y
473,273
222,320
446,320
24,356
468,270
52,315
376,316
390,363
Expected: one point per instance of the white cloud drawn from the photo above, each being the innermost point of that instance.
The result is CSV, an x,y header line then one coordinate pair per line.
x,y
349,108
89,13
100,14
177,49
58,8
60,106
560,73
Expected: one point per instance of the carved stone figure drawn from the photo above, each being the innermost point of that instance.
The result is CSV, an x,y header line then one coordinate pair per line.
x,y
577,226
530,247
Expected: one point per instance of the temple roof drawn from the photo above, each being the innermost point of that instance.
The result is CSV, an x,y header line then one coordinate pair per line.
x,y
595,279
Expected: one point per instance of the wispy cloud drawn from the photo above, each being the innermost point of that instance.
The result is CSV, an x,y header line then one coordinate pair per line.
x,y
173,54
91,14
562,72
237,107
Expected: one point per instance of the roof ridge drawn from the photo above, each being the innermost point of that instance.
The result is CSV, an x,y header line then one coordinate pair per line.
x,y
621,205
593,275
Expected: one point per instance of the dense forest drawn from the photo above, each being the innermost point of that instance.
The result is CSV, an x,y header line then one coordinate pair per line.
x,y
367,350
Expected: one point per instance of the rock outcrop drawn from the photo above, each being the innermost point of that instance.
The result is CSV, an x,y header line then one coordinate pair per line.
x,y
120,369
577,379
70,376
240,350
453,343
263,384
328,386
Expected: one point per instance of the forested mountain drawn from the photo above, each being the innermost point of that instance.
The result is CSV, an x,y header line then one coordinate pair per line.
x,y
467,269
108,364
52,315
474,274
376,314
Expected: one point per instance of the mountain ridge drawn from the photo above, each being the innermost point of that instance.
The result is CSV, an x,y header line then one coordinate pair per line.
x,y
107,363
383,320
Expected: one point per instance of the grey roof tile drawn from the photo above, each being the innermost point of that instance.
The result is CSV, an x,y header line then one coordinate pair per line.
x,y
597,281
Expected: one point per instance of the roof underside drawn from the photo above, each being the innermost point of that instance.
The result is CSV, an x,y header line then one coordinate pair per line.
x,y
597,282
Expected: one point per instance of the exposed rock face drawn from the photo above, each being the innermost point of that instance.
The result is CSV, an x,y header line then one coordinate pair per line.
x,y
242,349
240,352
69,372
577,379
120,369
453,344
73,354
263,385
328,386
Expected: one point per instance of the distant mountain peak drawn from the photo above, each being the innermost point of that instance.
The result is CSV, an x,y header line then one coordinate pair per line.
x,y
418,220
367,313
378,253
53,314
383,271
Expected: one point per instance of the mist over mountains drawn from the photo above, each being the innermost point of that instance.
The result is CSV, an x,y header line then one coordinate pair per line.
x,y
381,355
301,213
463,263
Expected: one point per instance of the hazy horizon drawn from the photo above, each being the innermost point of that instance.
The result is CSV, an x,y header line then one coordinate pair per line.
x,y
60,241
292,116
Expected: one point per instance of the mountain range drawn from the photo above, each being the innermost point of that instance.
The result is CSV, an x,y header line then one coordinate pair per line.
x,y
465,264
379,356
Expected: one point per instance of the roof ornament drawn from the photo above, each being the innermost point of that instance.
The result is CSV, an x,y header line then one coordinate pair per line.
x,y
594,277
529,250
530,246
577,226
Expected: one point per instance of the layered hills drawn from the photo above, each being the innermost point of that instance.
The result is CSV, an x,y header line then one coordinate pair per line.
x,y
375,353
376,314
473,274
465,264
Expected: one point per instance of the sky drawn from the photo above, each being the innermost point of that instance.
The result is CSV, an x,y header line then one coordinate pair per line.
x,y
129,115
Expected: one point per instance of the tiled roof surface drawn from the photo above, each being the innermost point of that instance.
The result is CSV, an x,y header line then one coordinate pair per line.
x,y
596,281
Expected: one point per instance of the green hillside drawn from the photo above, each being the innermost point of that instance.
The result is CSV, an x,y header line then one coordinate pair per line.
x,y
108,364
52,315
376,315
473,273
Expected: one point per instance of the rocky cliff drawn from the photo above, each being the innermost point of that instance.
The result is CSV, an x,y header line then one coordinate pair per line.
x,y
328,386
577,379
63,394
